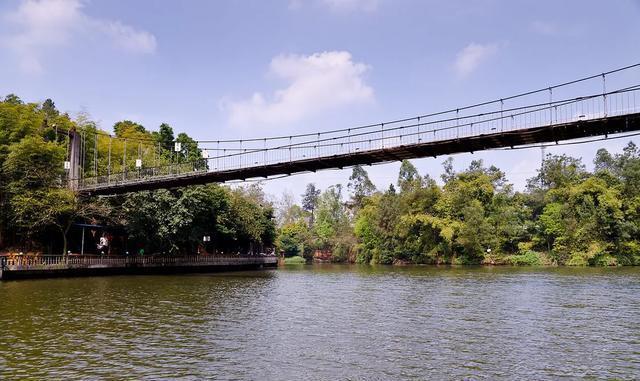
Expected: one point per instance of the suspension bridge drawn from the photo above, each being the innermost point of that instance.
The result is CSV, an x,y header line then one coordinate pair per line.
x,y
598,105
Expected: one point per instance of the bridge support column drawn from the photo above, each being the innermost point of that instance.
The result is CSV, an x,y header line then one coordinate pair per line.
x,y
73,173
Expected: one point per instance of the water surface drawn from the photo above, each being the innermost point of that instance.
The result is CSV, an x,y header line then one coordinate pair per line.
x,y
325,323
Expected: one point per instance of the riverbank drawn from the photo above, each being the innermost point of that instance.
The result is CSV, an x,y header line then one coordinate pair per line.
x,y
21,267
525,258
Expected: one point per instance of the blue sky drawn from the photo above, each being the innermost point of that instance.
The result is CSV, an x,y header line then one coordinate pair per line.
x,y
227,69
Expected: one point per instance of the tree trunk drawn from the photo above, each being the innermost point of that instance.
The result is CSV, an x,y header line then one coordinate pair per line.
x,y
65,231
64,243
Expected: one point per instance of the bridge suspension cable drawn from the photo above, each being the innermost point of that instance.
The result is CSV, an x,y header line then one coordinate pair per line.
x,y
503,120
389,122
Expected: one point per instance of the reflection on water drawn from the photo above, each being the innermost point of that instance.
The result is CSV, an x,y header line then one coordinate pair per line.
x,y
326,322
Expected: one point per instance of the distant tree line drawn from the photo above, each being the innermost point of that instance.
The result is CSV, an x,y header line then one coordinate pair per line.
x,y
566,216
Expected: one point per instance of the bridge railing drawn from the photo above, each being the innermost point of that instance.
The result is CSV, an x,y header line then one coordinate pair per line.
x,y
517,113
52,261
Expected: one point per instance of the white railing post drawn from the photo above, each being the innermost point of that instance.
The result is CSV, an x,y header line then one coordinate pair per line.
x,y
604,93
550,106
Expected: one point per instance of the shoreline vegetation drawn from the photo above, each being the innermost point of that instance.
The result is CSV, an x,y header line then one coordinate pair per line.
x,y
567,215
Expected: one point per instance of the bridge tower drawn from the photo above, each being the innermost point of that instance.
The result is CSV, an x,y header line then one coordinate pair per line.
x,y
73,161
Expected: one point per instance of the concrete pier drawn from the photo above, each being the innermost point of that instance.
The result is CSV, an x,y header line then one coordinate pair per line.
x,y
20,267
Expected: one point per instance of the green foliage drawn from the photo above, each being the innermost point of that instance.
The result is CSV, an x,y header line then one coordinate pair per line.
x,y
310,200
292,239
567,216
360,185
126,127
33,163
408,178
165,137
331,219
295,261
189,150
175,221
37,210
558,171
528,258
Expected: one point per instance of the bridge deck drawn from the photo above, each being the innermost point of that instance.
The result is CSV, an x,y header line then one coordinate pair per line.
x,y
542,134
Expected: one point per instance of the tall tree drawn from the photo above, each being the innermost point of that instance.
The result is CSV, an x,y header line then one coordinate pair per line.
x,y
331,217
287,211
189,151
49,109
165,137
13,99
448,171
360,185
310,200
558,171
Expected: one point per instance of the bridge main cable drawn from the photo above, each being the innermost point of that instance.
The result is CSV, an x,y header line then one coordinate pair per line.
x,y
391,122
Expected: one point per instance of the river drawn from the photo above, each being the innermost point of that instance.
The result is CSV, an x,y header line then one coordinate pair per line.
x,y
326,322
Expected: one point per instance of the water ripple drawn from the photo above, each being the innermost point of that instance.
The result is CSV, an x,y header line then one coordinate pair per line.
x,y
326,323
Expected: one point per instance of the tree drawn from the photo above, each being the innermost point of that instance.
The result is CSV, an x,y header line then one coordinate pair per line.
x,y
189,148
36,212
475,235
12,99
310,201
36,199
360,185
49,109
288,212
165,137
603,161
292,238
449,173
331,217
33,164
125,127
558,171
408,177
175,221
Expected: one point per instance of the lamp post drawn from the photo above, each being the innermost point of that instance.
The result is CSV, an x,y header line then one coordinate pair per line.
x,y
206,239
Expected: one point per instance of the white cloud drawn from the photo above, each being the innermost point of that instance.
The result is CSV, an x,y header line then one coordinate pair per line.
x,y
318,82
351,5
128,38
472,56
45,24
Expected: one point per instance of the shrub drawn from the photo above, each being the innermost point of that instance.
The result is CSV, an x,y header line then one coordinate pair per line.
x,y
297,260
527,258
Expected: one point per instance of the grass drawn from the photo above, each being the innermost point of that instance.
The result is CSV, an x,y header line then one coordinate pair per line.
x,y
528,258
297,260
